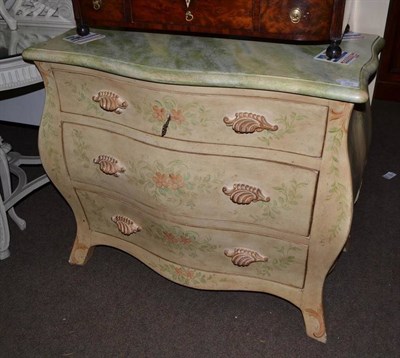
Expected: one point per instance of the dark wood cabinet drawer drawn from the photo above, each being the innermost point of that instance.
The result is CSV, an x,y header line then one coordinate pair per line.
x,y
297,19
100,12
221,15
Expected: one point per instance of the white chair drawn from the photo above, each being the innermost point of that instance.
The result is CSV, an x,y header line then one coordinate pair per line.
x,y
10,164
36,22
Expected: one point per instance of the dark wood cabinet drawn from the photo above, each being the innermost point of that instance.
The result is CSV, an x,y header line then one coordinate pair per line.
x,y
388,81
289,20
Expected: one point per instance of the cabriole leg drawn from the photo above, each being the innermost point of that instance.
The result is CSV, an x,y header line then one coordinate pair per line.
x,y
81,253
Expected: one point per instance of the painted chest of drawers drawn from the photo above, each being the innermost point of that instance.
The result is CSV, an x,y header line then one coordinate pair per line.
x,y
221,164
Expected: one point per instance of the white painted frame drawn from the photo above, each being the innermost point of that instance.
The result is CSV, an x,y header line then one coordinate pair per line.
x,y
43,13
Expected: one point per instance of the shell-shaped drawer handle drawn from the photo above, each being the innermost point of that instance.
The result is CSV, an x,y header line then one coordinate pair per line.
x,y
109,165
245,123
125,225
110,101
244,194
244,257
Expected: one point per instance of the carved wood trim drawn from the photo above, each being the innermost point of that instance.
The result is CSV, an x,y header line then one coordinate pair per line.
x,y
317,315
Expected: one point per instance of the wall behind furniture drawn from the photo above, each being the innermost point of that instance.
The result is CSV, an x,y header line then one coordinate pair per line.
x,y
369,16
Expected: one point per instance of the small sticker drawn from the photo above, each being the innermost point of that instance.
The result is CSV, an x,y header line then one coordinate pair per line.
x,y
352,36
347,83
345,58
77,39
389,175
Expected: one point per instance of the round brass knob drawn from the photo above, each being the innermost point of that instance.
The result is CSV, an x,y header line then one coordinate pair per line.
x,y
295,15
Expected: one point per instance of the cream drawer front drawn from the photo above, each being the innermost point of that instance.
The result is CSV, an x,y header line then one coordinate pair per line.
x,y
208,250
209,187
237,117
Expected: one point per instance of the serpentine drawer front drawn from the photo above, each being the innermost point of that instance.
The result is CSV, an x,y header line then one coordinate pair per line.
x,y
224,117
208,187
198,248
230,168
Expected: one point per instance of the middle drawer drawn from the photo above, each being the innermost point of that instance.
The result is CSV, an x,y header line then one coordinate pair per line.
x,y
199,186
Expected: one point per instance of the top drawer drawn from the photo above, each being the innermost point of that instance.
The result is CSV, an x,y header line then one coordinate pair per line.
x,y
222,14
246,118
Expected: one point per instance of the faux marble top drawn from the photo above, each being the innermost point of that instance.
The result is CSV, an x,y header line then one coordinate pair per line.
x,y
218,62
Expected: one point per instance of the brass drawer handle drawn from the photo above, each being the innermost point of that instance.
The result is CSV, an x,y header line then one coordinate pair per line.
x,y
189,16
295,15
245,123
110,101
244,257
109,165
97,4
125,225
244,194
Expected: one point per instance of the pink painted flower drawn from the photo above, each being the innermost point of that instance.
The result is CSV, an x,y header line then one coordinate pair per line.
x,y
175,181
161,180
159,113
177,116
189,274
184,240
179,271
170,237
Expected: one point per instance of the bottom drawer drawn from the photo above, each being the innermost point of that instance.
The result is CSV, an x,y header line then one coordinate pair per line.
x,y
205,249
